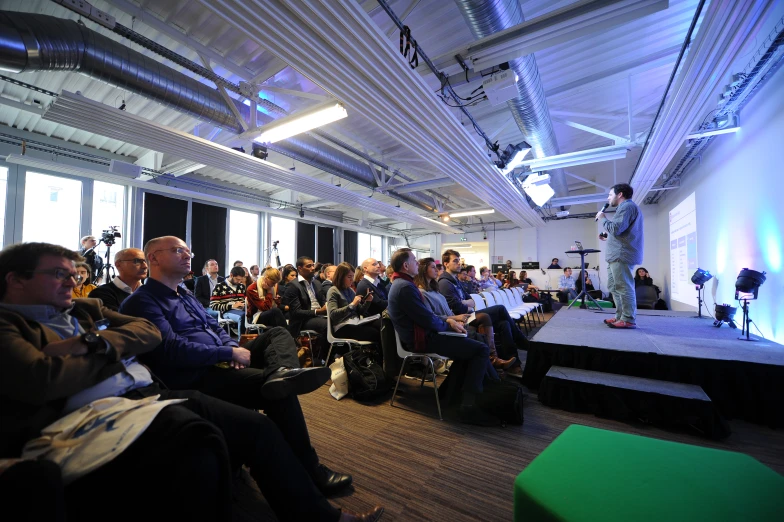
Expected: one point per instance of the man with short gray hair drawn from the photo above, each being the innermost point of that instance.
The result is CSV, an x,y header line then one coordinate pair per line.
x,y
131,269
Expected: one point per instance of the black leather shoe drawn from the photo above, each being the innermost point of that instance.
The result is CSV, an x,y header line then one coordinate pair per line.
x,y
371,516
329,481
294,381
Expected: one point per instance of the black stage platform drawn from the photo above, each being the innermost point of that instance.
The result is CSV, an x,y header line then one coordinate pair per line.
x,y
743,379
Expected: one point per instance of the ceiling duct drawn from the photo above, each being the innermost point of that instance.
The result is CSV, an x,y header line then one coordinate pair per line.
x,y
529,109
307,150
33,42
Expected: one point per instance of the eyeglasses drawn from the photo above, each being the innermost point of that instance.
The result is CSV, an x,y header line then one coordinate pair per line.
x,y
137,261
61,274
177,250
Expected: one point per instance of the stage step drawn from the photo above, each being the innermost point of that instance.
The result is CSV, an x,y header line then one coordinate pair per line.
x,y
662,403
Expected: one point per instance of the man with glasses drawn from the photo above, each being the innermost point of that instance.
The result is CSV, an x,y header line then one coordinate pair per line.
x,y
307,311
131,270
60,354
197,354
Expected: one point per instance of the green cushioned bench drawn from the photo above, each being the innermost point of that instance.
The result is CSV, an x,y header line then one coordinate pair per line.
x,y
587,474
589,304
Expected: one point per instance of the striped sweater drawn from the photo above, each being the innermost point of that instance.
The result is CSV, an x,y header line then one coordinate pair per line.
x,y
225,295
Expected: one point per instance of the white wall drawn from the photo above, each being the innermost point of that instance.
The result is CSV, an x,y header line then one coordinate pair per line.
x,y
740,210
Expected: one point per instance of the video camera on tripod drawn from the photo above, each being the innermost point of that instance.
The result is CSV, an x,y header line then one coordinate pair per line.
x,y
109,236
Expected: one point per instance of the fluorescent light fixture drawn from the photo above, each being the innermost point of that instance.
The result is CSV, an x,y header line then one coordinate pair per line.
x,y
714,132
582,157
64,168
465,213
294,124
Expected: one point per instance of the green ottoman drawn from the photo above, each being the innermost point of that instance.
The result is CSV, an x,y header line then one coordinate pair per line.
x,y
587,474
589,304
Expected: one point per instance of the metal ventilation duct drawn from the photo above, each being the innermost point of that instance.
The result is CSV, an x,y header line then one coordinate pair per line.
x,y
33,42
529,109
308,150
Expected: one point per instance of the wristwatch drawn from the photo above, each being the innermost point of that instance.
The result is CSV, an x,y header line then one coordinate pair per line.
x,y
93,341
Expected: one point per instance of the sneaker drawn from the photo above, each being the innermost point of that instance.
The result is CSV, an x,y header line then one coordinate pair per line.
x,y
294,381
417,376
608,322
623,325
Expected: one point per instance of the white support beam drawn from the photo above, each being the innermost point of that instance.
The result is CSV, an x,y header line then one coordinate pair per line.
x,y
603,187
414,186
298,94
269,71
578,200
575,114
619,140
148,18
225,95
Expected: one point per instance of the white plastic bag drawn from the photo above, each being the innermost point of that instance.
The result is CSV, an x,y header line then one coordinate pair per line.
x,y
339,388
93,435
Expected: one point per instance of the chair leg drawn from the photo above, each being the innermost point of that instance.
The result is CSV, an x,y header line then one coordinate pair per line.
x,y
329,353
435,387
399,376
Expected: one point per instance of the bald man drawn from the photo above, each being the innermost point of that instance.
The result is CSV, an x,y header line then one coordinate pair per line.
x,y
370,283
131,270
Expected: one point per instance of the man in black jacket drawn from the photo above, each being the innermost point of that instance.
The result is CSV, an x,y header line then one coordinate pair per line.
x,y
327,284
131,269
372,283
207,283
512,338
306,310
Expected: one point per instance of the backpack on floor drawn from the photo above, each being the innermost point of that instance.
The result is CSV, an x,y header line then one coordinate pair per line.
x,y
503,400
366,379
547,302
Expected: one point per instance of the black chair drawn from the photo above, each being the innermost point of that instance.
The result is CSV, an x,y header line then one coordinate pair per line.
x,y
646,297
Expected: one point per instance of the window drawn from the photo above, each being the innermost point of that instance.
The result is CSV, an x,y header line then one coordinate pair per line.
x,y
52,210
375,248
243,239
363,247
284,231
3,193
108,211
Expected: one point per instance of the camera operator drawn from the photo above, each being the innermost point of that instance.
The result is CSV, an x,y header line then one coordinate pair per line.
x,y
89,243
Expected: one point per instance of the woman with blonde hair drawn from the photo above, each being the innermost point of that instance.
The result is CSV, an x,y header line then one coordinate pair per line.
x,y
262,297
85,285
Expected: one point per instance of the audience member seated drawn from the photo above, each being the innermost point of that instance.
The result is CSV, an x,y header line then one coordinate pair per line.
x,y
205,284
197,354
643,278
371,283
486,280
248,279
343,305
425,280
418,328
512,338
288,274
470,278
254,273
499,279
131,269
383,278
596,294
84,285
263,299
329,273
359,274
462,279
511,280
53,364
524,279
91,257
189,282
306,310
566,286
554,264
228,298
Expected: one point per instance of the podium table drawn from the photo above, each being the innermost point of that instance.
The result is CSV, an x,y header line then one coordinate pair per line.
x,y
584,293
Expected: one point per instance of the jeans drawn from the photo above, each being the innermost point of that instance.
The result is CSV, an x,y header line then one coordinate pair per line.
x,y
238,316
476,353
620,281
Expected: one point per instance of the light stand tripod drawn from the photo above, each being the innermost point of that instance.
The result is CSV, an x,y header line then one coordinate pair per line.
x,y
274,248
746,322
699,299
584,292
107,269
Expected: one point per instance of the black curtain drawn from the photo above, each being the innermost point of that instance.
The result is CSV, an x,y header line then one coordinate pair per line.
x,y
163,216
326,245
350,246
306,240
208,236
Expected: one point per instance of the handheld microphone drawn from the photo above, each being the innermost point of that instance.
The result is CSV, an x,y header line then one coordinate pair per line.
x,y
603,209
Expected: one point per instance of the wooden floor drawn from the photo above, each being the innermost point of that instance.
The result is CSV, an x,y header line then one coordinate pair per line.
x,y
421,468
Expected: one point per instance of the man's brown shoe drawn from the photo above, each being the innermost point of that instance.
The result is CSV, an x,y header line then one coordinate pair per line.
x,y
623,325
370,516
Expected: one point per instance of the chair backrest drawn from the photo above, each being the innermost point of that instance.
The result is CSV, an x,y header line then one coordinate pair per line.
x,y
514,297
646,297
479,301
489,298
502,299
401,352
330,338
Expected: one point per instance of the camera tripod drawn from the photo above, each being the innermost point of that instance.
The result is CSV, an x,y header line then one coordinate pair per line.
x,y
107,270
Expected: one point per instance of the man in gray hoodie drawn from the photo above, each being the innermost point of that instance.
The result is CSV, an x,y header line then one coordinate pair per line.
x,y
624,236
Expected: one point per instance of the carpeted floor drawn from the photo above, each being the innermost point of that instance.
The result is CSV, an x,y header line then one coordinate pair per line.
x,y
420,468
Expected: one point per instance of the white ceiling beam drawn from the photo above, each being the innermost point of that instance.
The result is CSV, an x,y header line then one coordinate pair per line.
x,y
414,186
578,200
617,139
33,109
148,18
572,174
298,94
226,98
562,25
269,71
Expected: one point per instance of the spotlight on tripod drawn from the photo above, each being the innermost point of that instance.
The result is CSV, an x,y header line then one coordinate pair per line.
x,y
747,289
725,314
699,279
